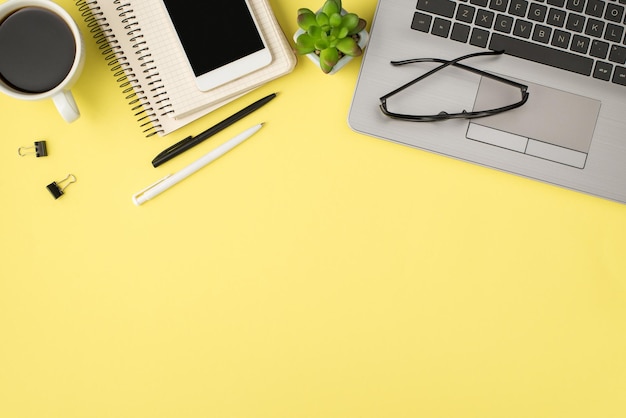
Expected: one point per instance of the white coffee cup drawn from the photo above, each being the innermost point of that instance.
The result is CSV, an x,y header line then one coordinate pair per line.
x,y
59,91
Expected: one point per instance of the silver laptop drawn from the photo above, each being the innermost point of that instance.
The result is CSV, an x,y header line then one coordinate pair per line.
x,y
570,54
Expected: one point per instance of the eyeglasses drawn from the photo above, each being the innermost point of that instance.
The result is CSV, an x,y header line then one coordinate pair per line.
x,y
460,115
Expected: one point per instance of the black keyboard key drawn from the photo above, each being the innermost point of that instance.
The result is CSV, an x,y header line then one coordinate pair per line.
x,y
580,44
618,54
619,76
595,8
421,22
504,23
438,7
556,17
614,33
594,28
614,12
479,38
518,8
557,3
441,27
522,28
541,54
542,34
481,3
498,5
602,71
460,32
575,22
484,18
575,5
465,13
599,49
537,12
561,39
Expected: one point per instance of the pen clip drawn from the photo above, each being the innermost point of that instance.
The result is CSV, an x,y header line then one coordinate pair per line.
x,y
138,195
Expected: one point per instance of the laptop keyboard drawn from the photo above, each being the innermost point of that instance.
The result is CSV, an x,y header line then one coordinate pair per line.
x,y
581,36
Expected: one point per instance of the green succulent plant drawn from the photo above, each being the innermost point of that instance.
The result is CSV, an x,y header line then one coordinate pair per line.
x,y
329,33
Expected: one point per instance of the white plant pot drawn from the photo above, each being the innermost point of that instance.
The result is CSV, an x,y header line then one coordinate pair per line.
x,y
363,39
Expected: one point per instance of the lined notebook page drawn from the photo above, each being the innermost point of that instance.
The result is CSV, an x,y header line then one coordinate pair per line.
x,y
176,74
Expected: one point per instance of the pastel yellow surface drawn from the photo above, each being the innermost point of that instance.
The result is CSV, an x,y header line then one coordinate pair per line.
x,y
311,272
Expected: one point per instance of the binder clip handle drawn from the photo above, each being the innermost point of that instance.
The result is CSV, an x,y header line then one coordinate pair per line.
x,y
39,148
56,188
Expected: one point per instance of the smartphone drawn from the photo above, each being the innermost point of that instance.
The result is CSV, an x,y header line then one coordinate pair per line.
x,y
221,39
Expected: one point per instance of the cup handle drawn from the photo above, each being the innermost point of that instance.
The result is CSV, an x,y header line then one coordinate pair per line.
x,y
66,105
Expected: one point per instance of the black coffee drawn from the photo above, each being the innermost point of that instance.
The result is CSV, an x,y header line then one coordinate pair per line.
x,y
37,50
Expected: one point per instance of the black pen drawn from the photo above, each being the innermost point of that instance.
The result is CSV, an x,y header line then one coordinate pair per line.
x,y
191,141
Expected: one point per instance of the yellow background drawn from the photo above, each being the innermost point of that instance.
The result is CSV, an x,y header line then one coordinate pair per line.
x,y
311,272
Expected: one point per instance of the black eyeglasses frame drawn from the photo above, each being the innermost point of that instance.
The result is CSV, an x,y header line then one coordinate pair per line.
x,y
461,115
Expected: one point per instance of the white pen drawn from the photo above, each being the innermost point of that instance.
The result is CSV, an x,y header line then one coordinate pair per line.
x,y
172,179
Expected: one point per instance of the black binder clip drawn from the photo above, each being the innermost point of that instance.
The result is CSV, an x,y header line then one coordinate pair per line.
x,y
56,189
39,149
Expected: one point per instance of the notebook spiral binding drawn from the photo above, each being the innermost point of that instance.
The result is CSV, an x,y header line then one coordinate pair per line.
x,y
147,113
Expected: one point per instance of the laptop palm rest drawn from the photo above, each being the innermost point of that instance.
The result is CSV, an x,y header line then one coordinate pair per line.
x,y
553,125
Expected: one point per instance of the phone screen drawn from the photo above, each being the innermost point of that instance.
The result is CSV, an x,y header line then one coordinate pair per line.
x,y
214,33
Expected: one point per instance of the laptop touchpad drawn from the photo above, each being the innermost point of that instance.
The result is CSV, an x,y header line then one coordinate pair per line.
x,y
552,124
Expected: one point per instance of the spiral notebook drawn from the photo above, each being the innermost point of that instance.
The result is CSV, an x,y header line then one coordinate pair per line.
x,y
139,44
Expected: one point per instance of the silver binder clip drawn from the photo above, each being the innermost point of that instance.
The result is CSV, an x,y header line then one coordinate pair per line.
x,y
39,149
56,188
